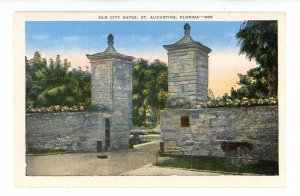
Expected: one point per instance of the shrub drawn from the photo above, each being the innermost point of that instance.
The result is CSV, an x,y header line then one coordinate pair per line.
x,y
54,109
229,102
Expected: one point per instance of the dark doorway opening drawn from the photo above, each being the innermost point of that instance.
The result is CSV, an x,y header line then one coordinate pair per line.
x,y
107,134
185,121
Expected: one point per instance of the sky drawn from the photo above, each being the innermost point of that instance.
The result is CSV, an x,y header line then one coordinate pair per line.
x,y
73,40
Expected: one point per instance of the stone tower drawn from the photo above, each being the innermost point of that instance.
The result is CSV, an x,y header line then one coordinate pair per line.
x,y
187,70
112,93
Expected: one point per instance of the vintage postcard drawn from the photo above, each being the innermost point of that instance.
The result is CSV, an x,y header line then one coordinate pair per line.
x,y
149,99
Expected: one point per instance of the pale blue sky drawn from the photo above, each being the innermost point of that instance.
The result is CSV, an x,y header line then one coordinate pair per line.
x,y
130,37
73,40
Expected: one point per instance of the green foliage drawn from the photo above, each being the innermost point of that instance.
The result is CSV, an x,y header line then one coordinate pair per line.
x,y
54,84
44,152
259,41
227,101
253,84
57,108
150,87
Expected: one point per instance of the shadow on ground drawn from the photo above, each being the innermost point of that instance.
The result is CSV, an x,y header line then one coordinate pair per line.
x,y
87,164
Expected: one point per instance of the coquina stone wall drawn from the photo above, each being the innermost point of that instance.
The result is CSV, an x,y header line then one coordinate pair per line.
x,y
188,69
121,114
112,92
244,132
110,121
75,132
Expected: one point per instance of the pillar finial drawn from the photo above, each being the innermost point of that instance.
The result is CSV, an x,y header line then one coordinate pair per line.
x,y
187,29
110,40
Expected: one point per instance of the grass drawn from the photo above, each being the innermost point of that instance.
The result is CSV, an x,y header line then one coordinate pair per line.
x,y
35,151
219,164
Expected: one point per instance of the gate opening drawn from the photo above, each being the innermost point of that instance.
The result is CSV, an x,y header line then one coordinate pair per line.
x,y
107,134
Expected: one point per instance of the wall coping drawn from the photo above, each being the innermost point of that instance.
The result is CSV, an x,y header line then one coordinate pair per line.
x,y
221,108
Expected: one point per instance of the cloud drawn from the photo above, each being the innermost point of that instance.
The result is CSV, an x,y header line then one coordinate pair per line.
x,y
230,35
40,37
200,37
135,38
72,38
75,44
167,37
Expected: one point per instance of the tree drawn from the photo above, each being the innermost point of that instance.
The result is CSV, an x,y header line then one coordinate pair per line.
x,y
259,41
254,84
149,90
55,84
83,78
33,67
158,87
139,92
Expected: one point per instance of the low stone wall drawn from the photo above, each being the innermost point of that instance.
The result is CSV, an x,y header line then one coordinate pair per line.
x,y
244,132
76,132
155,130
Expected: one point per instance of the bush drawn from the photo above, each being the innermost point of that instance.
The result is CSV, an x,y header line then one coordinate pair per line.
x,y
229,102
54,109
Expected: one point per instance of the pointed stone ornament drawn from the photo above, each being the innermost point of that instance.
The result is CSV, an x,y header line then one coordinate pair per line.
x,y
187,37
110,42
110,52
187,71
187,28
110,39
111,94
187,42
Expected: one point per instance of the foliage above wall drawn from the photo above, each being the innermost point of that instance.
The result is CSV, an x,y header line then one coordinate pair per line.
x,y
52,83
57,108
258,40
229,102
51,87
150,90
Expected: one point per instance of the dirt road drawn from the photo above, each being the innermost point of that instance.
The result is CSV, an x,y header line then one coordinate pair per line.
x,y
87,164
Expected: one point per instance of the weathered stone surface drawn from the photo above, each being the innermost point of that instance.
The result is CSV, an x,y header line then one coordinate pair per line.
x,y
111,74
209,127
188,69
179,102
111,103
76,132
112,91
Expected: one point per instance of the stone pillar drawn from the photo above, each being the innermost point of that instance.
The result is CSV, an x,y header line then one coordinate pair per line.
x,y
112,91
187,71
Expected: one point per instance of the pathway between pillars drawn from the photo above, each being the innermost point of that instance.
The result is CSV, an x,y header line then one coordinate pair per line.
x,y
87,164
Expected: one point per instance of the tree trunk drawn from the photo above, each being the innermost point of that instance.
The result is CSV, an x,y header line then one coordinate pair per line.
x,y
273,81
